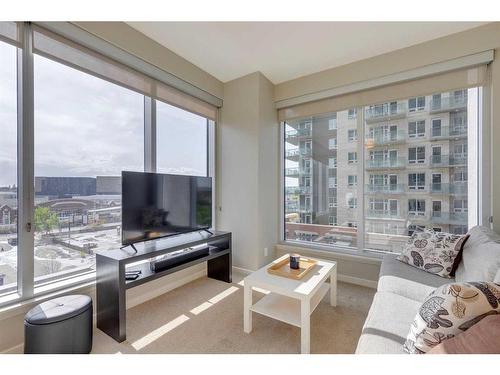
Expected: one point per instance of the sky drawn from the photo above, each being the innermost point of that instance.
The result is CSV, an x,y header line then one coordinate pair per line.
x,y
86,126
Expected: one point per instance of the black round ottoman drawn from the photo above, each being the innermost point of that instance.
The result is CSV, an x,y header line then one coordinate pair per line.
x,y
60,326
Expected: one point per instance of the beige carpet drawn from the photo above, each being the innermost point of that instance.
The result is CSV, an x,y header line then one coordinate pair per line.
x,y
206,316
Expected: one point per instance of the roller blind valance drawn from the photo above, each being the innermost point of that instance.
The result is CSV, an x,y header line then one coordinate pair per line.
x,y
55,47
10,33
472,76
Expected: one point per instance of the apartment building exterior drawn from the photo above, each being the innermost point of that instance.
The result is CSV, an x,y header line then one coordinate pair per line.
x,y
415,170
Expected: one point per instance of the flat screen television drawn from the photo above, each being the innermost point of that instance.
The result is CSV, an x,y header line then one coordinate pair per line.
x,y
158,205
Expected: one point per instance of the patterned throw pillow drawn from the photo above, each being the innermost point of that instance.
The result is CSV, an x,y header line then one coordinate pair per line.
x,y
433,252
450,310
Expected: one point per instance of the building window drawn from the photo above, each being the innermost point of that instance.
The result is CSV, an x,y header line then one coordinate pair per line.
x,y
332,123
416,155
351,114
352,135
332,143
352,180
436,127
332,220
352,157
352,202
416,181
460,205
416,207
332,162
416,129
416,104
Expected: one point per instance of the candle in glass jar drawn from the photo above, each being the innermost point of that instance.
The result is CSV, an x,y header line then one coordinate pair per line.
x,y
294,261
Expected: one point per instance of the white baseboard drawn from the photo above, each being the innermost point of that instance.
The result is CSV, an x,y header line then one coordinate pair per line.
x,y
358,281
18,349
244,271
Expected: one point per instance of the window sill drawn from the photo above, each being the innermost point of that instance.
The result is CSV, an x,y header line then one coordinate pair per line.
x,y
12,304
332,251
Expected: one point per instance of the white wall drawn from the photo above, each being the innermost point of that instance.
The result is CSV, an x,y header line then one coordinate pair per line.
x,y
247,169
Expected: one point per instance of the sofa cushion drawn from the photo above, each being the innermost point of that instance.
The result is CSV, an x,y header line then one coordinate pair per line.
x,y
387,324
480,256
402,279
449,311
433,252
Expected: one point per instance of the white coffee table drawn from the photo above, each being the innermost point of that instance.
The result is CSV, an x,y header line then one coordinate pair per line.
x,y
290,301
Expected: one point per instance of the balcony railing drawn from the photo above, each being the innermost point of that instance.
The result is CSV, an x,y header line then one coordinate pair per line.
x,y
458,218
385,111
298,133
449,132
292,171
291,190
448,104
449,160
457,188
292,207
393,163
294,152
385,139
377,214
385,189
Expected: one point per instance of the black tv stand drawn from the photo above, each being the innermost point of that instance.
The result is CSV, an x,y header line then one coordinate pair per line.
x,y
111,284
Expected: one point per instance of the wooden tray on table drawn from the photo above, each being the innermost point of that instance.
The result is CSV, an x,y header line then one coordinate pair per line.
x,y
282,268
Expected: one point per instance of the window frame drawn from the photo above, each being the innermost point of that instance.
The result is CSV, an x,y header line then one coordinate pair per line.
x,y
363,128
26,288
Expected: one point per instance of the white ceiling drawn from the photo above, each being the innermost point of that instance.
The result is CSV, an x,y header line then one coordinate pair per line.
x,y
287,50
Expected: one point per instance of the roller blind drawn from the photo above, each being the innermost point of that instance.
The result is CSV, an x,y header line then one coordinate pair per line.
x,y
10,33
452,80
55,47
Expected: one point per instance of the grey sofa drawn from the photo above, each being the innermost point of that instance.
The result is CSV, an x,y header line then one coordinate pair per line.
x,y
402,288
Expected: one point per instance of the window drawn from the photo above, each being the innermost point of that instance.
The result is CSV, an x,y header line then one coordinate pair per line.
x,y
416,129
416,207
351,114
352,180
352,157
416,155
460,205
460,176
181,141
416,104
352,202
331,194
416,181
332,143
436,208
436,127
332,123
89,126
352,135
8,168
332,162
81,148
404,190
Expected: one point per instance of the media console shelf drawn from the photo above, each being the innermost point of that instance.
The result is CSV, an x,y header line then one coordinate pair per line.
x,y
111,265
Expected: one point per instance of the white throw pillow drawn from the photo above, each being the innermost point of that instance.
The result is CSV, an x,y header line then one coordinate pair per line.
x,y
450,310
433,252
480,256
